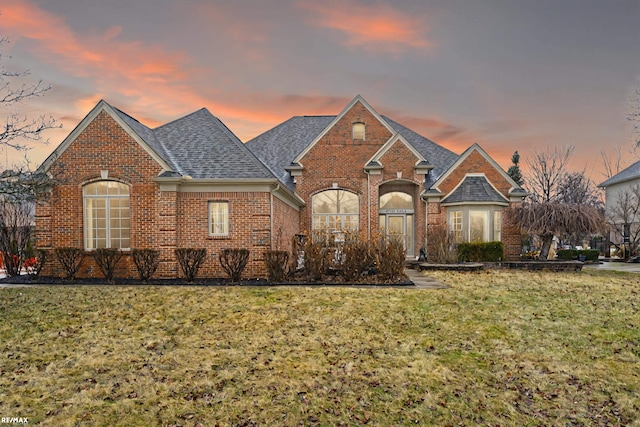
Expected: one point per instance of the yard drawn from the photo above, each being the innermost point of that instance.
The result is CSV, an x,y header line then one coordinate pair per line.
x,y
497,348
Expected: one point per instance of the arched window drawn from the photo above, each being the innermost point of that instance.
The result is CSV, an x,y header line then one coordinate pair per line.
x,y
335,210
106,215
396,200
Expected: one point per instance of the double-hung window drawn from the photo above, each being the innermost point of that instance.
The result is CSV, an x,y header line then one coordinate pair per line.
x,y
219,219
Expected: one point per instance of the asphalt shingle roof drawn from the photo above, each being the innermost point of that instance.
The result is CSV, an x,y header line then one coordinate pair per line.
x,y
278,147
201,146
632,172
474,189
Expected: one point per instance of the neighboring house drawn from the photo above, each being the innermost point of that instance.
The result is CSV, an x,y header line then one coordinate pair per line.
x,y
622,204
192,183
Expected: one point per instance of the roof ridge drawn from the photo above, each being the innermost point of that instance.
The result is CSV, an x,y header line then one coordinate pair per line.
x,y
237,140
182,117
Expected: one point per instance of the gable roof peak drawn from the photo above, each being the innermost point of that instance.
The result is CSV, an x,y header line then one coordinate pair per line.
x,y
345,110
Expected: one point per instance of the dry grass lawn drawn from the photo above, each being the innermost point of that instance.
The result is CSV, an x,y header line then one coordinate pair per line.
x,y
497,348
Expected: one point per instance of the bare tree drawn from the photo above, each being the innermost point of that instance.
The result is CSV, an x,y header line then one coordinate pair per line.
x,y
16,218
18,128
548,219
612,163
576,187
546,169
562,203
634,114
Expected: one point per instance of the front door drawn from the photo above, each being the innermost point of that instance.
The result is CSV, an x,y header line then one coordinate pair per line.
x,y
399,226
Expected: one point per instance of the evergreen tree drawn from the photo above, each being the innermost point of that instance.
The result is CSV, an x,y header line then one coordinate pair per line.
x,y
514,171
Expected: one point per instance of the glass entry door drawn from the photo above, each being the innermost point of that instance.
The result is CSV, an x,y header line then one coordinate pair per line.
x,y
399,226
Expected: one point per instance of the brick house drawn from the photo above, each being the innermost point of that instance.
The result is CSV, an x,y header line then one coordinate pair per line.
x,y
193,183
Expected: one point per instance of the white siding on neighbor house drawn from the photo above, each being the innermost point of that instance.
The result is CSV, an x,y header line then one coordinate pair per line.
x,y
612,194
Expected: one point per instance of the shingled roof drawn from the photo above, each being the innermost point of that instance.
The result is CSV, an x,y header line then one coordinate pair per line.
x,y
628,174
201,146
474,189
278,147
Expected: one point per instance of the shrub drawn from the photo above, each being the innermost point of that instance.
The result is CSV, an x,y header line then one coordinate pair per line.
x,y
316,256
277,265
233,262
570,254
190,260
441,239
107,260
70,259
12,259
391,257
34,262
146,261
359,257
480,252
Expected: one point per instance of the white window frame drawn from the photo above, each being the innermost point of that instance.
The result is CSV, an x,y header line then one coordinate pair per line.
x,y
493,222
90,230
222,222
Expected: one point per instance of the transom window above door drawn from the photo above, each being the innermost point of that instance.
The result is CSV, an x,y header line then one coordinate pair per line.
x,y
396,200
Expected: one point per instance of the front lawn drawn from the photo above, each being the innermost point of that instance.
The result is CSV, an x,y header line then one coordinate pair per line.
x,y
497,348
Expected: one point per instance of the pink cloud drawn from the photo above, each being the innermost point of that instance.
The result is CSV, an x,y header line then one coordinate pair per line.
x,y
373,26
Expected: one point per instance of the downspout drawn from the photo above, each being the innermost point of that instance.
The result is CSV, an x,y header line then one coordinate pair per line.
x,y
369,203
271,215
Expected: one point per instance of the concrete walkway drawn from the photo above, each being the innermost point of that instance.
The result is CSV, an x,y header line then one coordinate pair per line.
x,y
628,267
423,282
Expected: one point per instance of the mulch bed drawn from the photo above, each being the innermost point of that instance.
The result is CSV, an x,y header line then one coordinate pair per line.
x,y
26,280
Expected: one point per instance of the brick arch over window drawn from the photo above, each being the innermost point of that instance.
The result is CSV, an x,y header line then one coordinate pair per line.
x,y
335,210
106,214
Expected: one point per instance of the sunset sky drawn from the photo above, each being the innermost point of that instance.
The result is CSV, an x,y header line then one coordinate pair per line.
x,y
507,74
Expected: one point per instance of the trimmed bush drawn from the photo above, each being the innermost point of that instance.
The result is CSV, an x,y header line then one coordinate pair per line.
x,y
277,265
146,261
70,259
480,252
571,254
107,260
190,260
233,262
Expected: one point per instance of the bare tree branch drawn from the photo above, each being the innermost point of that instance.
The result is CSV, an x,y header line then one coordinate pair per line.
x,y
17,127
546,171
551,218
634,114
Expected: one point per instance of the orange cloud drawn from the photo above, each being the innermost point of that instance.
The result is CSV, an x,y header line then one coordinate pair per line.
x,y
145,80
373,26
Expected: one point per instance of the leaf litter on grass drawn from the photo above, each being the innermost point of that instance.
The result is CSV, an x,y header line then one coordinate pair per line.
x,y
496,348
